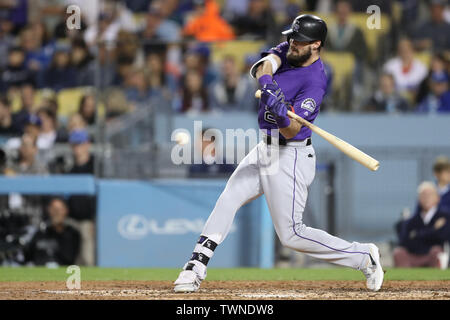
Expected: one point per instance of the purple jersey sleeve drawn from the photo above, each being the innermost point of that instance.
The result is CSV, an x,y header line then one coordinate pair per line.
x,y
280,50
307,103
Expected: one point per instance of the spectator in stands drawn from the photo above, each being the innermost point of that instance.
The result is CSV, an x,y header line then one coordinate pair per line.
x,y
21,117
195,96
438,100
213,163
86,109
386,98
38,53
107,67
49,100
83,62
441,170
82,207
6,123
16,12
116,104
81,148
6,39
234,91
16,72
196,58
422,236
61,74
49,133
57,242
159,80
407,70
123,71
438,64
344,35
28,162
76,122
112,18
257,23
128,45
206,23
158,27
433,34
137,87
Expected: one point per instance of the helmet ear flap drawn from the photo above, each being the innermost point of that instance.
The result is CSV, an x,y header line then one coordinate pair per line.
x,y
289,39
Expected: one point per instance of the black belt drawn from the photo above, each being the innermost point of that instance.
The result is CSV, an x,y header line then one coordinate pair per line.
x,y
283,142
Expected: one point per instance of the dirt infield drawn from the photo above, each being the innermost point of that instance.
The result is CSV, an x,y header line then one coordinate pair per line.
x,y
230,290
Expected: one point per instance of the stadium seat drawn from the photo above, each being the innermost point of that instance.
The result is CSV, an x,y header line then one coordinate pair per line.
x,y
238,49
424,57
342,64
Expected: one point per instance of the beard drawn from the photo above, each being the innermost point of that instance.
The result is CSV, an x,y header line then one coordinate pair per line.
x,y
297,60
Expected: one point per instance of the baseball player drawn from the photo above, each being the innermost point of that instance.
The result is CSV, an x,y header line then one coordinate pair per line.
x,y
291,76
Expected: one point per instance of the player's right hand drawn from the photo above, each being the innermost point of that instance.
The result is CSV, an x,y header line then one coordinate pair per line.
x,y
272,95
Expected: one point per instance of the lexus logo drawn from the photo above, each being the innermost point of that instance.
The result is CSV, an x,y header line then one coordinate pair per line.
x,y
137,227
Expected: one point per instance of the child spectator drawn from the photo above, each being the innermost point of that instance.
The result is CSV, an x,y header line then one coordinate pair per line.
x,y
421,238
386,98
438,100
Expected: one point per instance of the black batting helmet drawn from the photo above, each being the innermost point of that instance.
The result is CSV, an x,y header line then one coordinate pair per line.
x,y
307,27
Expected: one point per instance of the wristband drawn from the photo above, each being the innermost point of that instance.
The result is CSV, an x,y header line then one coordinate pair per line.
x,y
283,122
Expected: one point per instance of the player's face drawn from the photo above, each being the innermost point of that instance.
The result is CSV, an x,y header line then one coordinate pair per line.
x,y
299,52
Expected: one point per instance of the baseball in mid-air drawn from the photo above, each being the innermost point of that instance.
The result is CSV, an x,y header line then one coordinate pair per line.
x,y
182,138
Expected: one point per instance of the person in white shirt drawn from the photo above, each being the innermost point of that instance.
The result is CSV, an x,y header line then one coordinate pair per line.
x,y
407,70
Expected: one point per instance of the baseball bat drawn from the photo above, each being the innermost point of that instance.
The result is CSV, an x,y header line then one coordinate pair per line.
x,y
340,144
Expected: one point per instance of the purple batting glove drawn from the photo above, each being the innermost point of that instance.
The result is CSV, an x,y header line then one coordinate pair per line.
x,y
274,101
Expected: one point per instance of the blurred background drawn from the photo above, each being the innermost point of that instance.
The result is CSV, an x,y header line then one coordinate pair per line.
x,y
87,115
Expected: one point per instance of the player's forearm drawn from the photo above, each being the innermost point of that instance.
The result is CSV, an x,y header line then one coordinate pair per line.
x,y
291,131
264,68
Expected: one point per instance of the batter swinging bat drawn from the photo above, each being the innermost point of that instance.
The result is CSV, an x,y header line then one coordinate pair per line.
x,y
340,144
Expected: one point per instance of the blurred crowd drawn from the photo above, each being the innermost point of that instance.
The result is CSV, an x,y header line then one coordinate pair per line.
x,y
171,56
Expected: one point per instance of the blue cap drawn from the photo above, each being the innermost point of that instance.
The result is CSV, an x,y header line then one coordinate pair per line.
x,y
79,137
439,76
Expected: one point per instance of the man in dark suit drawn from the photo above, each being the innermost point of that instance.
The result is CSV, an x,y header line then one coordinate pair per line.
x,y
422,237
